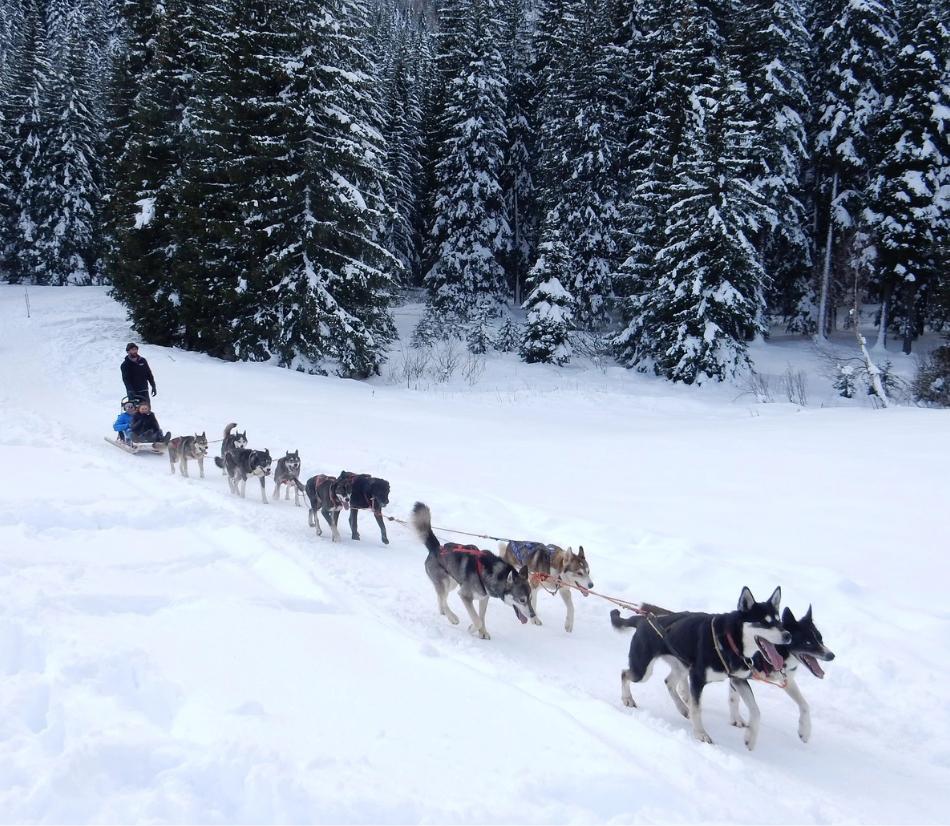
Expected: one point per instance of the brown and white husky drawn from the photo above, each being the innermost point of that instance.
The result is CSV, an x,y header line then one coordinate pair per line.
x,y
555,562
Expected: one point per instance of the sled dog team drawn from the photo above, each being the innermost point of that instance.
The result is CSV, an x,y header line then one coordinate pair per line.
x,y
756,641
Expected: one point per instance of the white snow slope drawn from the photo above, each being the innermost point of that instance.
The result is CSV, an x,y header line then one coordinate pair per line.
x,y
171,653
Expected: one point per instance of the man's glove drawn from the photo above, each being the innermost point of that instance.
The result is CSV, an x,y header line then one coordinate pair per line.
x,y
154,391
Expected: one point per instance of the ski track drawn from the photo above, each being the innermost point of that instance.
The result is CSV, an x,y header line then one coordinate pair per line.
x,y
98,724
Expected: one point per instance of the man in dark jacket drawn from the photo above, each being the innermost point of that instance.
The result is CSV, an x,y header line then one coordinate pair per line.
x,y
145,426
136,374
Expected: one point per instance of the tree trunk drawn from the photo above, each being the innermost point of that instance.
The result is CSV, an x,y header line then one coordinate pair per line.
x,y
822,331
881,343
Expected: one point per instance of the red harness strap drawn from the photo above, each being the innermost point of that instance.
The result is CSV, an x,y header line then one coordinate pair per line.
x,y
471,550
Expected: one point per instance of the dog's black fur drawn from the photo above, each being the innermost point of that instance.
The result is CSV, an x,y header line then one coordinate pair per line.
x,y
478,574
230,442
328,495
239,463
806,647
368,492
287,472
704,647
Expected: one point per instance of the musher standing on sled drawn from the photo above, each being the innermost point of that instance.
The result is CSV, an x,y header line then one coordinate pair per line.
x,y
136,374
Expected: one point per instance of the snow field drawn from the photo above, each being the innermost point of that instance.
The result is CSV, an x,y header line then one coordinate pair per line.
x,y
170,653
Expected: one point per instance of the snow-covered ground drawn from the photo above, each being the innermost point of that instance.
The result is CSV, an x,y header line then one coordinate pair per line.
x,y
170,653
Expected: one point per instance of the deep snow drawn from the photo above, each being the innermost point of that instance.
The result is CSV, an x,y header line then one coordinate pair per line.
x,y
170,653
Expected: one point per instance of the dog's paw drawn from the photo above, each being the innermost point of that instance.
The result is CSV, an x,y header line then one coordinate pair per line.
x,y
568,626
804,729
740,723
385,540
537,620
356,536
452,618
628,702
703,737
750,737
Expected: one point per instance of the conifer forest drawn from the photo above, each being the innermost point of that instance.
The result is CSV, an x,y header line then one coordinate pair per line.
x,y
664,180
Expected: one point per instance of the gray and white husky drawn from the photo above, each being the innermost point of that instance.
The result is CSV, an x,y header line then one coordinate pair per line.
x,y
287,472
477,574
183,448
554,562
231,442
241,463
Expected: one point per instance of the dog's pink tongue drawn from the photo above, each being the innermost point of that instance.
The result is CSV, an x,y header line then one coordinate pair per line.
x,y
521,617
771,652
813,665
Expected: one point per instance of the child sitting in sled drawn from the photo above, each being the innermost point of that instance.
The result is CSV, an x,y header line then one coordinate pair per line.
x,y
145,426
123,423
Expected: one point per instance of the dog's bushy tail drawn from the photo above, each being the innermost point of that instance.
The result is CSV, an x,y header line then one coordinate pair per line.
x,y
219,461
422,522
227,431
620,623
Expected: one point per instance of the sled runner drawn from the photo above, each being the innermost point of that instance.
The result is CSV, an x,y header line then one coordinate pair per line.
x,y
137,447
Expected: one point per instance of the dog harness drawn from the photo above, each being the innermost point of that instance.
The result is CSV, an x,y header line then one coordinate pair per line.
x,y
521,549
471,550
322,479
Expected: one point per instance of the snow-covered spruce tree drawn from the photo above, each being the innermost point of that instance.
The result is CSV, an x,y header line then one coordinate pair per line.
x,y
223,124
709,295
912,183
349,142
521,124
66,234
135,38
549,306
555,33
25,138
665,63
772,49
319,281
403,128
853,57
145,201
471,228
589,195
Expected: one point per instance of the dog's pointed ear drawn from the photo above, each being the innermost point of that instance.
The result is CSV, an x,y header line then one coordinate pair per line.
x,y
580,551
524,571
511,576
746,600
788,618
776,598
808,614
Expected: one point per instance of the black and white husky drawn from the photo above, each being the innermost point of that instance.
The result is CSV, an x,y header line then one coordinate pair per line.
x,y
477,574
287,472
807,648
704,648
183,448
232,441
241,463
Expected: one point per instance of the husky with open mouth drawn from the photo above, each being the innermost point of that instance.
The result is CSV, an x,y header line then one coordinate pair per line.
x,y
478,575
806,648
556,565
704,648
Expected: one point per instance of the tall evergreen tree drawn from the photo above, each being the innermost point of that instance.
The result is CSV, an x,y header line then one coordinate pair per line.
x,y
521,125
66,235
471,231
912,182
708,296
549,306
772,48
853,51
